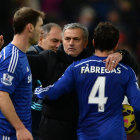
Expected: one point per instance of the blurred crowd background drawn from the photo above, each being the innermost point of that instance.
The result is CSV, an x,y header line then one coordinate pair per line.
x,y
122,13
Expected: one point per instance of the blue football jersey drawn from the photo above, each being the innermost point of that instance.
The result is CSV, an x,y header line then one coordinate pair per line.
x,y
16,79
100,95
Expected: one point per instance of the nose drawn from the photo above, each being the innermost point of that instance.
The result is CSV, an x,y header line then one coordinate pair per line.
x,y
58,44
71,42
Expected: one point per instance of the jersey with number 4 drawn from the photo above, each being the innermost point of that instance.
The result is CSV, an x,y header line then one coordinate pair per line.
x,y
100,95
16,79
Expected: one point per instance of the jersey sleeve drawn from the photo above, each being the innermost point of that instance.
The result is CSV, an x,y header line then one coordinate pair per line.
x,y
64,85
132,91
9,77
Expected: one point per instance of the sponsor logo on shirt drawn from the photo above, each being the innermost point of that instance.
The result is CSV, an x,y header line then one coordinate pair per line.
x,y
29,79
27,69
7,79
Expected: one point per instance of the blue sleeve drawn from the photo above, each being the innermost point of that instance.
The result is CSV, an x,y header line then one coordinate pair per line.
x,y
133,92
64,85
8,76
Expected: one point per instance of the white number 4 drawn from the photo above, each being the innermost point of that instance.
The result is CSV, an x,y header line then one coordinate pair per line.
x,y
101,100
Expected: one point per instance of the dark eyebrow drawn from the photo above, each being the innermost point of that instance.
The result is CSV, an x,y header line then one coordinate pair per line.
x,y
76,38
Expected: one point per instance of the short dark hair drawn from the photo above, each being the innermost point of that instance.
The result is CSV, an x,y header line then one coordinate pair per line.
x,y
106,36
23,16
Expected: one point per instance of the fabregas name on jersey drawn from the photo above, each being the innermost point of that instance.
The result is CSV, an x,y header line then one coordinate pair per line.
x,y
97,69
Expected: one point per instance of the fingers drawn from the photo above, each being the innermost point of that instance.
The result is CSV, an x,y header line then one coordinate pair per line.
x,y
1,37
115,64
1,41
110,64
113,60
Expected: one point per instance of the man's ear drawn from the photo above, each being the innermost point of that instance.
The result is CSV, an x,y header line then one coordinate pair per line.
x,y
41,38
30,27
93,42
86,43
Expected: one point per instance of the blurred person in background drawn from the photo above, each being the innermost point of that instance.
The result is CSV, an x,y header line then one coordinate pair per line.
x,y
50,39
32,3
114,17
87,17
35,4
129,18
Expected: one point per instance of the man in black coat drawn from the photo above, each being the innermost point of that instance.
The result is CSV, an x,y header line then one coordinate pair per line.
x,y
59,117
50,39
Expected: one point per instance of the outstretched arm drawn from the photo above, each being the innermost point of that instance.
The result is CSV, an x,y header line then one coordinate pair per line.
x,y
64,85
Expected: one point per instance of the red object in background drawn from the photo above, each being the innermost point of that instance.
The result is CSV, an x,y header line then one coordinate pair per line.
x,y
122,37
134,137
130,138
51,6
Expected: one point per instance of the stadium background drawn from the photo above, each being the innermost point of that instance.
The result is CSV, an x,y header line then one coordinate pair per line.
x,y
122,13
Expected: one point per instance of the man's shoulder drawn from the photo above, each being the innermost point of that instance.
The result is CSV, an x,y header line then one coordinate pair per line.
x,y
125,67
12,58
11,52
32,50
48,54
7,50
83,60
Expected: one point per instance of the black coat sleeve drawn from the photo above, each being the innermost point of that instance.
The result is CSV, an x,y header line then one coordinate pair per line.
x,y
129,60
38,63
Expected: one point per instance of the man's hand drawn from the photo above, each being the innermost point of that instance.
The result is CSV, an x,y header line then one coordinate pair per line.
x,y
113,60
23,134
1,41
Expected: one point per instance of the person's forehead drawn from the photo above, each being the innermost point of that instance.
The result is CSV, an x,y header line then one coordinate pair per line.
x,y
73,32
55,34
55,29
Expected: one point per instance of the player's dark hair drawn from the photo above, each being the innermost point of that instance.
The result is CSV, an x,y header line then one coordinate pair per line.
x,y
23,16
106,36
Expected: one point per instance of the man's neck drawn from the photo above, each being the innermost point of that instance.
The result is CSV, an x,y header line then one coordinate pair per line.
x,y
103,53
21,41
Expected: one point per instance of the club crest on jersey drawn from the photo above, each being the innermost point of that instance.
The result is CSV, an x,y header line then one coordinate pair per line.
x,y
7,79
